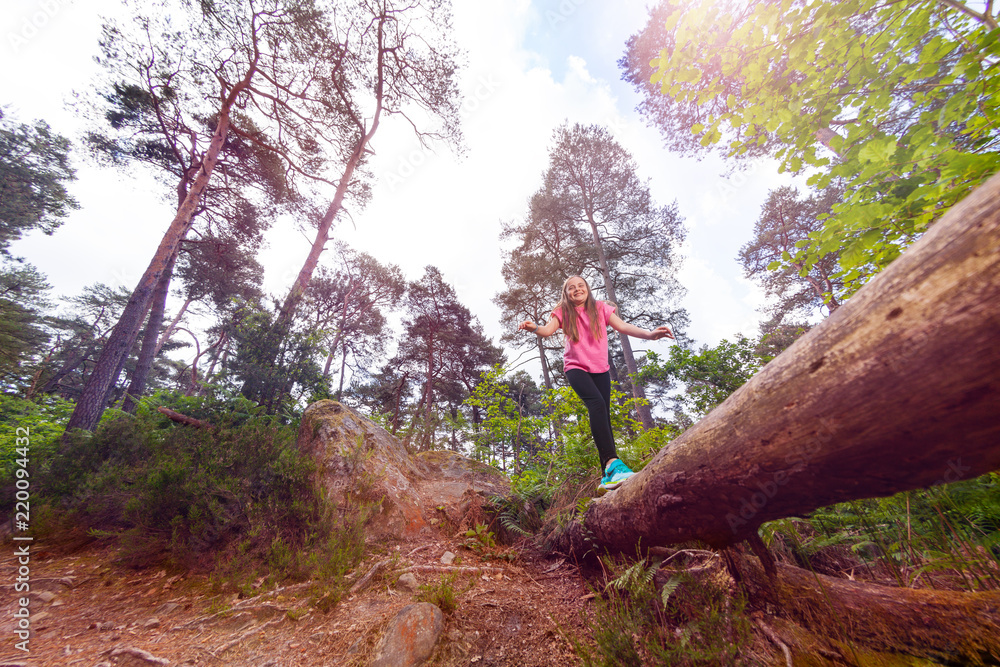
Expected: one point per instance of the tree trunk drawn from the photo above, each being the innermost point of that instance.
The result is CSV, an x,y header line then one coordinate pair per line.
x,y
288,308
343,370
150,347
68,367
172,326
642,407
428,396
898,389
90,406
546,374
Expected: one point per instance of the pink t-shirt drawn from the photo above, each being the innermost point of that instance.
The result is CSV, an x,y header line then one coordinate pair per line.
x,y
587,354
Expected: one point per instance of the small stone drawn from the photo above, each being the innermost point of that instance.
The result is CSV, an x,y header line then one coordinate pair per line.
x,y
166,608
46,596
151,623
407,582
410,638
448,558
104,626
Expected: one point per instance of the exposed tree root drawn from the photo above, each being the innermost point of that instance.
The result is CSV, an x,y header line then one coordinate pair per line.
x,y
946,626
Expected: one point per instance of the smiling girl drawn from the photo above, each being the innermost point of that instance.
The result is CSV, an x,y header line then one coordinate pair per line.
x,y
584,322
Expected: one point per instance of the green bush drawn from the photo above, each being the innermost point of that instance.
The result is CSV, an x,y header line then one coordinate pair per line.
x,y
442,594
689,621
238,498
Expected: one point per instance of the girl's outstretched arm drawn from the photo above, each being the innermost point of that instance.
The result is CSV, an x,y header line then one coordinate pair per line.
x,y
620,325
544,331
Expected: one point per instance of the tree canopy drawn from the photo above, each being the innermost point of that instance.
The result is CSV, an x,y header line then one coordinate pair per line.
x,y
895,101
34,171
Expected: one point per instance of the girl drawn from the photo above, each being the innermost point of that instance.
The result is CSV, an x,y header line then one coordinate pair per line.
x,y
584,322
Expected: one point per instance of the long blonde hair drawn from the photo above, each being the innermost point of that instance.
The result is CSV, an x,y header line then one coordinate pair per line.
x,y
568,310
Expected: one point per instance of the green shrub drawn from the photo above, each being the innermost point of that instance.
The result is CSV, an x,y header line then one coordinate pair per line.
x,y
238,498
442,594
689,621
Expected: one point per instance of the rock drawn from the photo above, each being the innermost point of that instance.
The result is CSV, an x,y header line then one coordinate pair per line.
x,y
166,608
410,638
448,558
356,456
46,596
407,582
151,623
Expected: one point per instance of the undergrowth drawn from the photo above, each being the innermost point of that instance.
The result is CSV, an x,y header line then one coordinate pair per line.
x,y
947,537
238,500
686,620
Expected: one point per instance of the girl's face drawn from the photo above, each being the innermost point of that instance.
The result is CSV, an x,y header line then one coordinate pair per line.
x,y
577,291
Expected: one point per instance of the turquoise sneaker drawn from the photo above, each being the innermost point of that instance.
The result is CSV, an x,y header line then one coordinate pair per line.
x,y
616,474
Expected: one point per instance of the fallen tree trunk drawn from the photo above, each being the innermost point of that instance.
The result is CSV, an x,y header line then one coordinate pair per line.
x,y
898,389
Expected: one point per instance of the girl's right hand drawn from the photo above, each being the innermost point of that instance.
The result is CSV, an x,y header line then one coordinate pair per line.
x,y
527,325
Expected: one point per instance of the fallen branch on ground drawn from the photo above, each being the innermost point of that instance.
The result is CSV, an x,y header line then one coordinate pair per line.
x,y
184,419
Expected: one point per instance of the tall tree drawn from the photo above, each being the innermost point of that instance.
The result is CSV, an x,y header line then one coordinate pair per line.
x,y
205,68
391,58
34,170
591,190
218,270
443,345
531,280
348,306
784,226
894,100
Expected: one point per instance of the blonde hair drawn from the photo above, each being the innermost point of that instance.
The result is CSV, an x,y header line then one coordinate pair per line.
x,y
568,310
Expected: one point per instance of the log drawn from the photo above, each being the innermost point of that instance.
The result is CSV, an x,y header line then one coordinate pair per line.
x,y
898,389
184,419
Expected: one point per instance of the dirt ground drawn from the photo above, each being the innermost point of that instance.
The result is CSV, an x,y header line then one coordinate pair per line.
x,y
86,610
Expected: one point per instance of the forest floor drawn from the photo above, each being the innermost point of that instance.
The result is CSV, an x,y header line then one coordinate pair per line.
x,y
88,610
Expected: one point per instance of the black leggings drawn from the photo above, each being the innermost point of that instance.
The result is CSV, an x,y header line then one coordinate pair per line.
x,y
594,389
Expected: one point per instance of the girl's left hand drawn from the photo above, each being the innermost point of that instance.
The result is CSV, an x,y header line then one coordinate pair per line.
x,y
661,332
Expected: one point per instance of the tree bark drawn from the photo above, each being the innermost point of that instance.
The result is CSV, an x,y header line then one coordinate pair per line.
x,y
546,375
172,326
898,389
288,308
150,347
90,406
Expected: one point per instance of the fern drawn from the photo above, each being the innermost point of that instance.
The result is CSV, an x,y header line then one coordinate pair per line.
x,y
636,578
669,588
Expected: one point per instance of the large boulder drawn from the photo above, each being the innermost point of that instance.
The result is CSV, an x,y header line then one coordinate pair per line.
x,y
410,638
356,456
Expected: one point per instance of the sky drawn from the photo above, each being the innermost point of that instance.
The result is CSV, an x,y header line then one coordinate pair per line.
x,y
530,65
